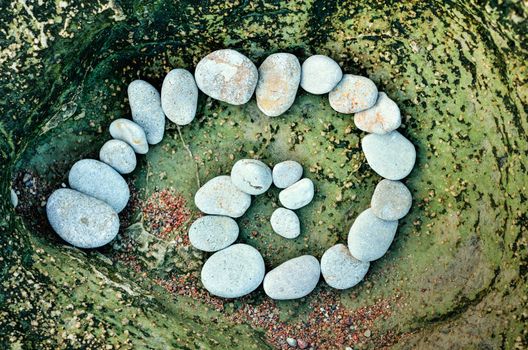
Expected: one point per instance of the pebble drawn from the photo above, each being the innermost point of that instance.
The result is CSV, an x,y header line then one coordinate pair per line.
x,y
381,118
211,233
219,196
14,198
286,173
370,237
101,181
340,269
291,342
145,104
297,195
320,74
278,80
81,220
251,176
179,96
234,271
130,132
391,156
293,279
353,94
119,155
391,200
302,344
227,75
285,223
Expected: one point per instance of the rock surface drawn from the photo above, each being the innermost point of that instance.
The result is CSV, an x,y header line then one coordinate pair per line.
x,y
101,181
119,155
130,132
391,200
219,196
297,195
353,94
370,237
211,233
145,104
251,176
81,220
179,96
285,223
391,156
293,279
227,75
340,269
286,173
233,272
320,74
381,118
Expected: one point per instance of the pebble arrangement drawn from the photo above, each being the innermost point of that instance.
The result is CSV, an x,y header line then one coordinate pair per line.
x,y
86,214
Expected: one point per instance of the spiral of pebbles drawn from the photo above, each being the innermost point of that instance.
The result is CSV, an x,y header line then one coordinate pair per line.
x,y
86,214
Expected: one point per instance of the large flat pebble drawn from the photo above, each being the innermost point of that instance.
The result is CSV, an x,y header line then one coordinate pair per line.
x,y
381,118
353,94
211,233
251,176
130,132
297,195
320,74
391,200
340,269
145,105
293,279
179,96
219,196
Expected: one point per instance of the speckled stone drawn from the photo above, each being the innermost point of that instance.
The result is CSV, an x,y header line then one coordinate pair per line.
x,y
340,269
81,220
320,74
391,155
391,200
130,132
227,75
145,104
381,118
279,78
286,173
101,181
353,94
297,195
219,196
179,96
285,223
211,233
233,272
251,176
370,237
119,155
14,198
293,279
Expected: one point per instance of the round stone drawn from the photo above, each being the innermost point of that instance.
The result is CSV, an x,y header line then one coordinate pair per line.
x,y
353,94
219,196
391,200
340,269
285,223
286,173
81,220
211,233
381,118
297,195
370,237
320,74
233,272
145,104
227,75
179,96
119,155
293,279
101,181
14,198
130,132
391,155
251,176
278,80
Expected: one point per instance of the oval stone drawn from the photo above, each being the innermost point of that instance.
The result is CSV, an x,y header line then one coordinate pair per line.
x,y
227,75
179,96
293,279
81,220
233,272
353,94
370,237
219,196
145,105
320,74
381,118
101,181
391,200
340,269
286,173
391,155
119,155
278,80
285,223
130,132
251,176
211,233
297,195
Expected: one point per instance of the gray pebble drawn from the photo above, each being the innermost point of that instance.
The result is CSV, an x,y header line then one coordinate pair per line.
x,y
130,132
81,220
291,342
293,279
381,118
14,198
211,233
251,176
179,96
101,181
340,269
219,196
145,104
285,223
320,74
119,155
353,94
286,173
391,200
297,195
